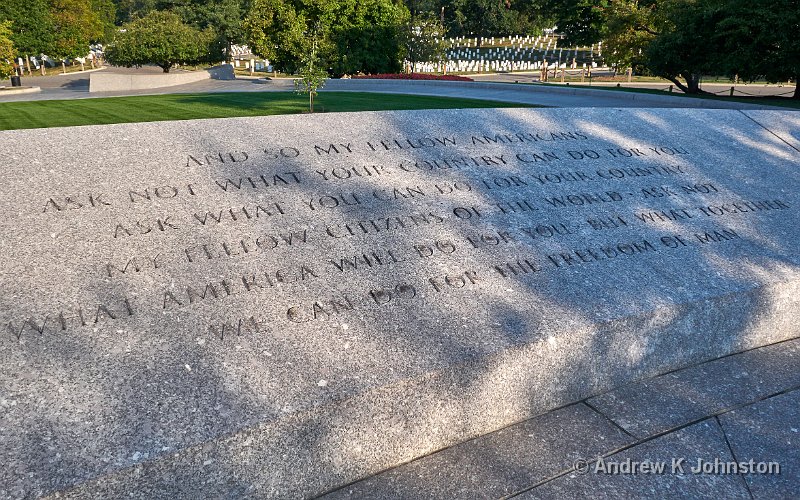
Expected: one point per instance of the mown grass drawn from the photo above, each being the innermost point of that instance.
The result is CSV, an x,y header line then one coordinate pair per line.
x,y
101,111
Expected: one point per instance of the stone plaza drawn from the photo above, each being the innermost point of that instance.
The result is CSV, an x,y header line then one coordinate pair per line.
x,y
284,306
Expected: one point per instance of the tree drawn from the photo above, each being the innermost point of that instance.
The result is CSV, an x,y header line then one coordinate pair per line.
x,y
223,16
684,39
685,46
275,31
756,38
129,10
359,35
583,22
424,40
664,36
6,50
312,75
366,37
105,12
483,18
31,25
75,25
160,38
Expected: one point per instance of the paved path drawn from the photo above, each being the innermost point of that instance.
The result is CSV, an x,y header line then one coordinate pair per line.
x,y
76,86
742,409
741,89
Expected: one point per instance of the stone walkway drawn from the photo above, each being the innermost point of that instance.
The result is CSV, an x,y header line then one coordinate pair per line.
x,y
742,89
76,86
740,411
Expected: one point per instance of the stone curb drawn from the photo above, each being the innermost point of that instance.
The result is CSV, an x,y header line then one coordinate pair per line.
x,y
535,88
19,90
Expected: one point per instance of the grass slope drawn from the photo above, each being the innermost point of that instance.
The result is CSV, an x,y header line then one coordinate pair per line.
x,y
65,113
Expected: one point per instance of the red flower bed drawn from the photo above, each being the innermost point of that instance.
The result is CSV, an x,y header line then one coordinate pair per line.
x,y
415,76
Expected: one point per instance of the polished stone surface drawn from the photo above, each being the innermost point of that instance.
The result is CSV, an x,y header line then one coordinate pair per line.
x,y
289,304
784,125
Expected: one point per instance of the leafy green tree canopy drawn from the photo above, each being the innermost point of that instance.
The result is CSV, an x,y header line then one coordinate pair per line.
x,y
31,25
359,35
759,39
224,17
424,40
6,50
684,47
681,40
484,18
160,38
75,26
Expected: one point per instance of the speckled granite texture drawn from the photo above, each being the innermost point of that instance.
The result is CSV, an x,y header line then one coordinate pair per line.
x,y
278,306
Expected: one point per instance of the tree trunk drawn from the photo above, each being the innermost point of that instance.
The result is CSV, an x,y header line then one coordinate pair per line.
x,y
311,102
63,67
678,84
693,84
796,87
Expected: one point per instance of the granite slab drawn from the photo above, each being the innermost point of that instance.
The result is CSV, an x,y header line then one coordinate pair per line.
x,y
283,305
765,437
689,463
656,405
500,463
784,125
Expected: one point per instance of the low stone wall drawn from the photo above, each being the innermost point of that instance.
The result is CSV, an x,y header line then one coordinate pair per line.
x,y
109,81
18,90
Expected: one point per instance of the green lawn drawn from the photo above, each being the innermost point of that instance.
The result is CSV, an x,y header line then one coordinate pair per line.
x,y
65,113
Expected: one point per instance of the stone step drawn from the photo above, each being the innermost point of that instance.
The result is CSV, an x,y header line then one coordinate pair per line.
x,y
552,454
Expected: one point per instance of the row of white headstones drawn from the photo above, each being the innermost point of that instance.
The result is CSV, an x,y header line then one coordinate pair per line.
x,y
483,65
512,53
